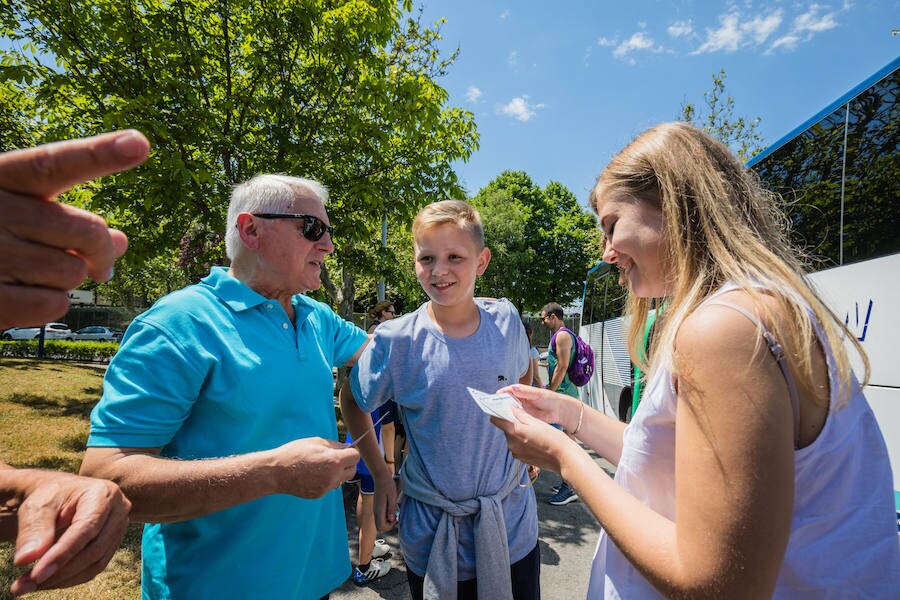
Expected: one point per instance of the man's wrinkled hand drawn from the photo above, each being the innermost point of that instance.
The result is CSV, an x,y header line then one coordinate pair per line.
x,y
69,527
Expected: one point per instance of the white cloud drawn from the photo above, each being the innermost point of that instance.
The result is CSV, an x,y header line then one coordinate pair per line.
x,y
519,108
473,94
761,28
606,42
513,58
639,41
727,37
505,14
805,26
788,42
812,22
736,32
681,28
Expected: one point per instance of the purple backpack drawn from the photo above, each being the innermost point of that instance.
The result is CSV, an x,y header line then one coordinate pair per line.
x,y
581,364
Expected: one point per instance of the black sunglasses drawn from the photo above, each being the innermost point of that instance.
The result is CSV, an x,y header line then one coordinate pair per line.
x,y
313,227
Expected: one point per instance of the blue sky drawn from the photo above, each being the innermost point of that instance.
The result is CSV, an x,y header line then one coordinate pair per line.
x,y
557,88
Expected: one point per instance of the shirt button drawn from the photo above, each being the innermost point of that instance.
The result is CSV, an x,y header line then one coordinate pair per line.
x,y
269,306
284,325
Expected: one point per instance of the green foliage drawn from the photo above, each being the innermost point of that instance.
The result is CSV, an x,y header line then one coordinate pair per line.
x,y
342,91
60,350
540,241
717,118
140,284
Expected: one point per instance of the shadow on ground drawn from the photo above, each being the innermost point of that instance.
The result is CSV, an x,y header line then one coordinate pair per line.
x,y
57,407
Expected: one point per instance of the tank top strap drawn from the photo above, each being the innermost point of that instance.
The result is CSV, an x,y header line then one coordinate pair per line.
x,y
777,351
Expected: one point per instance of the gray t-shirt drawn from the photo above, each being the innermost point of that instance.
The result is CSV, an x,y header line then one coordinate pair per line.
x,y
426,373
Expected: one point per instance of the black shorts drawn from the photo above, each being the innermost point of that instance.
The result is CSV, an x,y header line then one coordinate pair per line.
x,y
525,575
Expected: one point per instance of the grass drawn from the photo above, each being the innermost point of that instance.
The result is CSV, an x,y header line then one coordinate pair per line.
x,y
44,422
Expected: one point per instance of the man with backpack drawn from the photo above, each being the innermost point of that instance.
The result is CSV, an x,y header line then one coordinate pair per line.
x,y
560,353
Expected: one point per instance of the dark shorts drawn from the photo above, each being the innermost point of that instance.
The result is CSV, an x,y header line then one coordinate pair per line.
x,y
525,575
394,417
366,483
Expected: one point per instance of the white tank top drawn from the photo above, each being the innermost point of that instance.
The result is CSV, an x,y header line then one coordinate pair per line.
x,y
843,541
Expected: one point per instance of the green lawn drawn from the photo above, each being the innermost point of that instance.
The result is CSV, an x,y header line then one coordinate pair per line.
x,y
44,411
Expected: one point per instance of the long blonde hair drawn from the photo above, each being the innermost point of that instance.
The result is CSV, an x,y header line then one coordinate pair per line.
x,y
719,225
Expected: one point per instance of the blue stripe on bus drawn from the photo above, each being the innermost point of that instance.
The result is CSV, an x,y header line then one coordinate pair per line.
x,y
878,76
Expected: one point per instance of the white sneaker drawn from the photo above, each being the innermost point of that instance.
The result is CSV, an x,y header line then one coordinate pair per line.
x,y
380,549
377,569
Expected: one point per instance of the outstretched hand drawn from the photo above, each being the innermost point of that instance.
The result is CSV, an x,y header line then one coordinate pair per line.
x,y
48,248
69,526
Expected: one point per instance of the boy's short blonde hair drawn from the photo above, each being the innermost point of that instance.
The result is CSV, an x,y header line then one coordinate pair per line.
x,y
455,212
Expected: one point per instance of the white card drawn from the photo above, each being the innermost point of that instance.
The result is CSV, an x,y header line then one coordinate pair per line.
x,y
497,405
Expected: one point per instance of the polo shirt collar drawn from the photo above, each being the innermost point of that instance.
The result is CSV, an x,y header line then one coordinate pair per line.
x,y
230,290
303,307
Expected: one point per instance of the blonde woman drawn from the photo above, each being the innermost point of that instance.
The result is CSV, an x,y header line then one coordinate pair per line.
x,y
753,466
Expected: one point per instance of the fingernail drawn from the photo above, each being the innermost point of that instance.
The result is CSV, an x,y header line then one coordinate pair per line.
x,y
131,144
28,547
112,271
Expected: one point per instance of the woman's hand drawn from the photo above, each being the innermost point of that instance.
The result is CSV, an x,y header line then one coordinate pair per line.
x,y
538,402
533,441
549,407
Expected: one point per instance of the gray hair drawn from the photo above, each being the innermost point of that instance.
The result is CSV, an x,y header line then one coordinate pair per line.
x,y
266,193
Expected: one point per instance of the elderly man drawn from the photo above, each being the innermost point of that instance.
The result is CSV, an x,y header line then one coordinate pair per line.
x,y
217,419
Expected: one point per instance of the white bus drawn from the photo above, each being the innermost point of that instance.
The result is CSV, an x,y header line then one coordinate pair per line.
x,y
839,175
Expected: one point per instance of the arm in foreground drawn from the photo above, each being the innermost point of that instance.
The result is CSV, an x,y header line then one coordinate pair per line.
x,y
732,517
68,526
167,490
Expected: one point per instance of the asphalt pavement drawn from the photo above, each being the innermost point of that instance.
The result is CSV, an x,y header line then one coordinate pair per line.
x,y
567,535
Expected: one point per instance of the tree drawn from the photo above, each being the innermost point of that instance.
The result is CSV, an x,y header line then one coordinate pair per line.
x,y
717,119
343,91
540,241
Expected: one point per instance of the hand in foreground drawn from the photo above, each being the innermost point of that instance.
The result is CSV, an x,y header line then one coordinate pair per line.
x,y
533,441
70,525
310,467
47,248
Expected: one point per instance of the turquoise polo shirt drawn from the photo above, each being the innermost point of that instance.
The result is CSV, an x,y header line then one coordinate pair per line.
x,y
214,370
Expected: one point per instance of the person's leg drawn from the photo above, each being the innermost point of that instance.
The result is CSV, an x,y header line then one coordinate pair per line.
x,y
526,576
365,518
467,590
416,585
369,569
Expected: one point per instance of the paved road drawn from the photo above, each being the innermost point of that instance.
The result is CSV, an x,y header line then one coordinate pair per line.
x,y
567,536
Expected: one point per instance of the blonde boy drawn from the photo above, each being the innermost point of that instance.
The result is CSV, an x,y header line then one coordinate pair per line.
x,y
469,518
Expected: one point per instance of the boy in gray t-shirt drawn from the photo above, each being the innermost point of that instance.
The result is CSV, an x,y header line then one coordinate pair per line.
x,y
469,517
